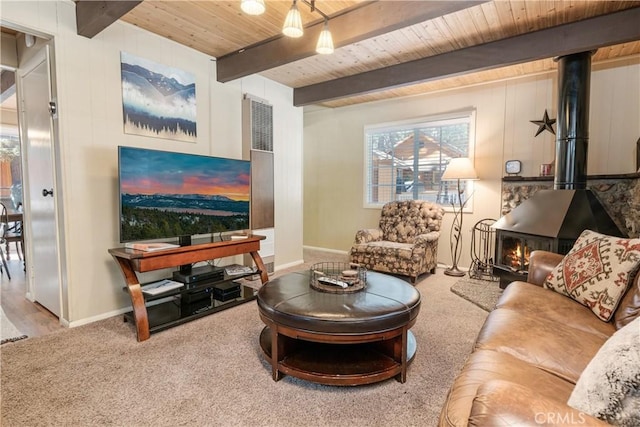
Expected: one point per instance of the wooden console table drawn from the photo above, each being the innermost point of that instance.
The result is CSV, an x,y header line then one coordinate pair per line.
x,y
133,261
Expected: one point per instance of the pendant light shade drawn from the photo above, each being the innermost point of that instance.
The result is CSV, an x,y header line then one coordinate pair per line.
x,y
293,23
325,41
252,7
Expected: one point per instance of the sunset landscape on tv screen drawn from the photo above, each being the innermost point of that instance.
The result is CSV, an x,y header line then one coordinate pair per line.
x,y
166,195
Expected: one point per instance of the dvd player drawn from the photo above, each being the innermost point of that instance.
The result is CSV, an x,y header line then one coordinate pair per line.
x,y
197,274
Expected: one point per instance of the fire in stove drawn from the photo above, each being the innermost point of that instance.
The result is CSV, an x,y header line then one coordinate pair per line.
x,y
515,255
513,251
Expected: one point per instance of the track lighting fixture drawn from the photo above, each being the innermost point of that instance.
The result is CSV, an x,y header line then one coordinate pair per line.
x,y
293,22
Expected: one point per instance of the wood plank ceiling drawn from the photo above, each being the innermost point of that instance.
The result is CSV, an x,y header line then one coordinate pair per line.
x,y
220,29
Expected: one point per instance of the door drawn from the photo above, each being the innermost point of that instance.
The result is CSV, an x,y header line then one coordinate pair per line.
x,y
36,121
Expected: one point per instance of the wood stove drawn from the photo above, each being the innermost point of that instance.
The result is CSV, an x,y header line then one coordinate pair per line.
x,y
552,220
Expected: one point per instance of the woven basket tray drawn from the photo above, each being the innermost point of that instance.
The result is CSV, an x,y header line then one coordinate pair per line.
x,y
353,275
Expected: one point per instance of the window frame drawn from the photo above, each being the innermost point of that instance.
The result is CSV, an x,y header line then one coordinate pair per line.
x,y
467,115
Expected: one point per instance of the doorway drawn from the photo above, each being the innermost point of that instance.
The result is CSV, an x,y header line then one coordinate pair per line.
x,y
40,301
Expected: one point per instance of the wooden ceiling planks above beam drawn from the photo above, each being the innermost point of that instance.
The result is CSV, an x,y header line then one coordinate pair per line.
x,y
360,23
579,36
93,16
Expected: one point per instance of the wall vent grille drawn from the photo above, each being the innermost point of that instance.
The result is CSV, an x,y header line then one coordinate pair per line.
x,y
261,125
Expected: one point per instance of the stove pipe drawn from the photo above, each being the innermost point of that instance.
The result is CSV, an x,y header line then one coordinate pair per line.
x,y
572,140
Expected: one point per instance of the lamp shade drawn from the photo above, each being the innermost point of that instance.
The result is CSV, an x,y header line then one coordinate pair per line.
x,y
460,168
325,41
293,23
252,7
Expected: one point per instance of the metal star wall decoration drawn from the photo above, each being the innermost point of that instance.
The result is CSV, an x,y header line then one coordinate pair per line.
x,y
545,124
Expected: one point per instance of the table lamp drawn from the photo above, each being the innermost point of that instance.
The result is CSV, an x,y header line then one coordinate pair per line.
x,y
458,169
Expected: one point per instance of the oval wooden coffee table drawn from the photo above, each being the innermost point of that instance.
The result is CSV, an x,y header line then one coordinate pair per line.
x,y
338,339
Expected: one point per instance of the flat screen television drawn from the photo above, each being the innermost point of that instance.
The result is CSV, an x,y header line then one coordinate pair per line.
x,y
165,195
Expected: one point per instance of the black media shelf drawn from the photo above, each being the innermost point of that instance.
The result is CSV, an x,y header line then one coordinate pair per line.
x,y
194,301
168,314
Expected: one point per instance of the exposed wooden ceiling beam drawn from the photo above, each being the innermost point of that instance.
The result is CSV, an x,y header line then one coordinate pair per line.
x,y
360,23
93,16
580,36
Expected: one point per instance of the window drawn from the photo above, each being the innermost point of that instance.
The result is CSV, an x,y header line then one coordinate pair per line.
x,y
405,160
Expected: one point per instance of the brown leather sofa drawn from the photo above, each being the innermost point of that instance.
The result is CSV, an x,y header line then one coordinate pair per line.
x,y
529,354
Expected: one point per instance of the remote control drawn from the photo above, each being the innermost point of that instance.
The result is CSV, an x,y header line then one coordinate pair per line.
x,y
330,281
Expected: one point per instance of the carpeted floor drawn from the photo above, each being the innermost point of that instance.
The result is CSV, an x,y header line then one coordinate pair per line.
x,y
9,333
211,372
482,293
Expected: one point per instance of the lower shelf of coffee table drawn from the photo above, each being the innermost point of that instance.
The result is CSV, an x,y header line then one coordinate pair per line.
x,y
336,364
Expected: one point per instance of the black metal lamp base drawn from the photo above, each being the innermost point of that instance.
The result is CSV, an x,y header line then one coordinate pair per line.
x,y
453,271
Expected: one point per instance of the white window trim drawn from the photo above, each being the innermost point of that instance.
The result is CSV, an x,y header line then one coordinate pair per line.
x,y
469,113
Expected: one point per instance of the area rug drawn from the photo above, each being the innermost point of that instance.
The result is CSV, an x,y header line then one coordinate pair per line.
x,y
9,332
483,293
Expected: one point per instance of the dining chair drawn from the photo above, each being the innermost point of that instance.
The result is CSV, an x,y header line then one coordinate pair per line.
x,y
2,242
12,232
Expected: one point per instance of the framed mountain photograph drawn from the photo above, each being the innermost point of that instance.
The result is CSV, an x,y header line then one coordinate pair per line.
x,y
157,100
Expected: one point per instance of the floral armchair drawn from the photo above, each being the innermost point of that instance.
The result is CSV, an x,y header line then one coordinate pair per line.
x,y
406,241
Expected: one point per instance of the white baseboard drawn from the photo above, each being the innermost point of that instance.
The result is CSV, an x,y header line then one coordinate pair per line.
x,y
288,265
102,316
333,251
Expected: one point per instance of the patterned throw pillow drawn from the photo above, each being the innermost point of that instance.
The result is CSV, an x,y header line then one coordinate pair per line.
x,y
597,271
